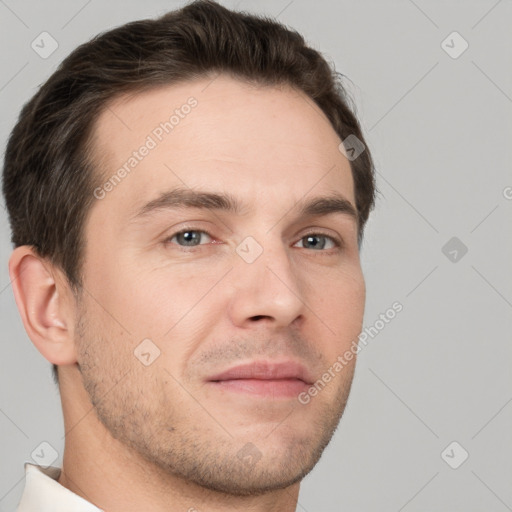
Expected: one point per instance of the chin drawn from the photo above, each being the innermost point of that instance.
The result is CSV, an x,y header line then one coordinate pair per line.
x,y
242,478
259,467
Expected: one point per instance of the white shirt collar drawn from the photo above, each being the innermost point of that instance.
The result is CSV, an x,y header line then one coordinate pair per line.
x,y
42,493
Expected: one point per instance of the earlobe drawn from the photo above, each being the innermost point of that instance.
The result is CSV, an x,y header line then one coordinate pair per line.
x,y
44,305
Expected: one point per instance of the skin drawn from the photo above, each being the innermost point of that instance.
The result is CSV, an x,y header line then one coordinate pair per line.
x,y
159,437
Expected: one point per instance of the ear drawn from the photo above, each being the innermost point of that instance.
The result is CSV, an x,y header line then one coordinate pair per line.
x,y
45,303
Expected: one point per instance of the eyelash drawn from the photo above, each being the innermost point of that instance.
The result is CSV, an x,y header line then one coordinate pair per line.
x,y
338,243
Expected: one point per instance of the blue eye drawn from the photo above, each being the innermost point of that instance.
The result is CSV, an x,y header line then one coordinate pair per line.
x,y
189,237
312,236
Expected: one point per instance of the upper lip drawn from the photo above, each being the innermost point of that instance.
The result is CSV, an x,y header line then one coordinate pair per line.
x,y
266,370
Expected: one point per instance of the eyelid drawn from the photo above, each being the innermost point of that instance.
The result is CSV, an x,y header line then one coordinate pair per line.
x,y
167,239
338,241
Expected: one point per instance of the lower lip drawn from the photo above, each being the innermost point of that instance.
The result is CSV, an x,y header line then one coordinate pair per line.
x,y
279,388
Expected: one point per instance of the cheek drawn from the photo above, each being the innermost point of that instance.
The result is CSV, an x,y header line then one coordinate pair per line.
x,y
147,302
340,291
340,305
174,307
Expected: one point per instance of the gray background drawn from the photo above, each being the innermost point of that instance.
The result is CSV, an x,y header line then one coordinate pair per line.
x,y
440,131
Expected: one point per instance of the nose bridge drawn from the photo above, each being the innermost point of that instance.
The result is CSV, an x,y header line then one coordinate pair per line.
x,y
266,283
266,250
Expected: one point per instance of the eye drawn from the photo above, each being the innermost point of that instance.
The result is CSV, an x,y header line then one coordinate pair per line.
x,y
190,238
313,243
187,237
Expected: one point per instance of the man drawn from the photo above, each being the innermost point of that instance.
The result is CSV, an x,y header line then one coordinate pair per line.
x,y
187,197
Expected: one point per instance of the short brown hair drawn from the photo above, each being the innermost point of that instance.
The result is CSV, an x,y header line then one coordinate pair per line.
x,y
48,178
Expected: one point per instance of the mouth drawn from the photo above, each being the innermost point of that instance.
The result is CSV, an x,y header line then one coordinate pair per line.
x,y
265,379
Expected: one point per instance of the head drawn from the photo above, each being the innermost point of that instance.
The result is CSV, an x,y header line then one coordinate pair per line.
x,y
216,124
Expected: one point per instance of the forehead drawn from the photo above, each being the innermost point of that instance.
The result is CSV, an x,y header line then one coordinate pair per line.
x,y
256,141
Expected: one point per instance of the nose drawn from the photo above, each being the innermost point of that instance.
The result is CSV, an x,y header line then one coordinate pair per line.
x,y
267,289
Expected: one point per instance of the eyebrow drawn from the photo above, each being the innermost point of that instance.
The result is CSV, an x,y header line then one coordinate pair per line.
x,y
188,198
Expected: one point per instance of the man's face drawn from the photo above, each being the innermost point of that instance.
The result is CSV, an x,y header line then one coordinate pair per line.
x,y
267,288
